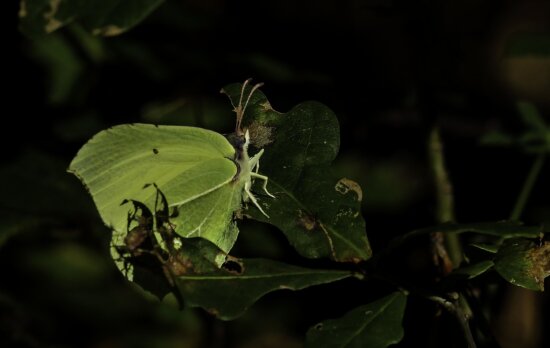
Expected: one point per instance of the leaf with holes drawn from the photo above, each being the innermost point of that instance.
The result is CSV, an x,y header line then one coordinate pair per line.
x,y
318,212
228,291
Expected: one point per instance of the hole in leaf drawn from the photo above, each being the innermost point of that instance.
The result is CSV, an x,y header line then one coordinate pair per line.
x,y
233,266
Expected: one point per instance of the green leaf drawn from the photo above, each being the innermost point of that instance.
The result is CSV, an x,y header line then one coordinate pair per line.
x,y
504,229
228,291
193,166
490,248
101,17
63,65
524,263
474,270
531,117
528,44
497,138
375,325
318,212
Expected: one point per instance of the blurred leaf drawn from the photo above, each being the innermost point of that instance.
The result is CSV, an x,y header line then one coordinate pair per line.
x,y
504,229
62,65
228,291
531,117
496,138
208,113
528,44
524,263
37,183
535,139
70,264
491,248
318,212
101,17
474,270
12,224
375,325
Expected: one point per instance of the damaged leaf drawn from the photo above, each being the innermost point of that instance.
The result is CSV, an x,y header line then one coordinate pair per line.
x,y
101,17
228,291
318,212
524,263
375,325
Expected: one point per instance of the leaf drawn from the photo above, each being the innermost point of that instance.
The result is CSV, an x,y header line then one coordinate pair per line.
x,y
318,212
228,291
497,138
504,229
490,248
101,17
531,117
63,65
375,325
474,270
193,166
524,263
528,44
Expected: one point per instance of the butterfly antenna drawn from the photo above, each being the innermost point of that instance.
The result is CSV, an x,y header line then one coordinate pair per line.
x,y
256,86
239,109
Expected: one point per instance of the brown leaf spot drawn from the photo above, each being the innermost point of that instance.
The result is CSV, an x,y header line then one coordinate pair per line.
x,y
307,221
51,22
260,135
344,185
109,30
23,9
540,263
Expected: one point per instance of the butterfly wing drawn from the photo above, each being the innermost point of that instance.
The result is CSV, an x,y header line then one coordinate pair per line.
x,y
192,166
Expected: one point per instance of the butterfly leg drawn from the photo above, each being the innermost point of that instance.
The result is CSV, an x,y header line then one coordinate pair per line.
x,y
264,186
252,198
255,168
255,161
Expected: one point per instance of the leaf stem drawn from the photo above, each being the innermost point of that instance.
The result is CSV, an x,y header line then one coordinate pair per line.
x,y
445,203
527,187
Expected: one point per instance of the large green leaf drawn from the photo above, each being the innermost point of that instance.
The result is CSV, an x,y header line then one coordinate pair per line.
x,y
318,212
524,263
375,325
228,294
228,291
101,17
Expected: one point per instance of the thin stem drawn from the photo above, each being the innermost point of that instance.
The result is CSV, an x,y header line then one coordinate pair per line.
x,y
527,187
445,200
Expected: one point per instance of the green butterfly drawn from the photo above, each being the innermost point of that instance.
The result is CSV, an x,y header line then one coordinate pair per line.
x,y
205,177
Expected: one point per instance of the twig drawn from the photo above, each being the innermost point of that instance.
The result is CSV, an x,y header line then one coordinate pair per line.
x,y
447,248
455,308
527,187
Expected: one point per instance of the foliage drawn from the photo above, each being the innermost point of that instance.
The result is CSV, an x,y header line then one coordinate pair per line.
x,y
310,237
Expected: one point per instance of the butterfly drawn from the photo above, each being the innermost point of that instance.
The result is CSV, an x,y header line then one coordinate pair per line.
x,y
205,176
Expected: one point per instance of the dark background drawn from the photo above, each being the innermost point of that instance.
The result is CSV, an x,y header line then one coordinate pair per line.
x,y
390,70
